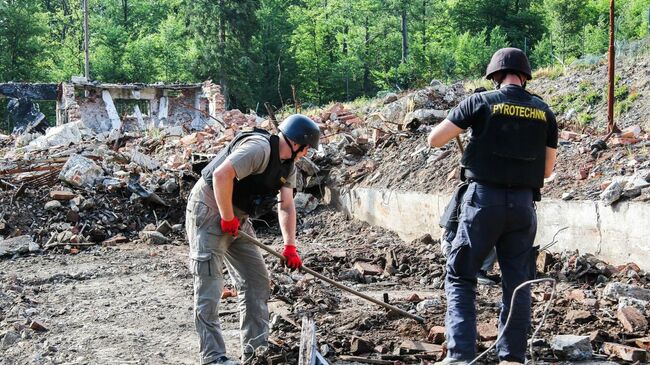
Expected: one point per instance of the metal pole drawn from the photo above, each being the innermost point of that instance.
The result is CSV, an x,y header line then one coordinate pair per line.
x,y
330,281
86,41
611,69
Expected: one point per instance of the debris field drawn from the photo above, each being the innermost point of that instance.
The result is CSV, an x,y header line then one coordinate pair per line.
x,y
93,257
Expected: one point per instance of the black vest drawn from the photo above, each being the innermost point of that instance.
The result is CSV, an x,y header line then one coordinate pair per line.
x,y
511,149
258,191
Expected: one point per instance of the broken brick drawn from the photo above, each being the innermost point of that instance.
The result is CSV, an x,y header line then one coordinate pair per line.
x,y
579,316
599,336
367,269
361,346
62,195
632,319
436,335
643,342
115,241
627,353
487,331
577,295
228,293
414,298
544,260
569,136
412,347
623,141
37,326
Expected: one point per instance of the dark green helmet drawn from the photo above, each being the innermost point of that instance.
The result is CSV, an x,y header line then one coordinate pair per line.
x,y
301,129
512,59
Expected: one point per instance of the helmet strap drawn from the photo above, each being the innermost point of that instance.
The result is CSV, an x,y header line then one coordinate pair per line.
x,y
293,153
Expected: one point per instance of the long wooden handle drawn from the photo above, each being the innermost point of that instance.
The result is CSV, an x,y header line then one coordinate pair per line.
x,y
330,281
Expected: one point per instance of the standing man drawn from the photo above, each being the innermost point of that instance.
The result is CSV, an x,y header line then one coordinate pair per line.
x,y
241,181
511,151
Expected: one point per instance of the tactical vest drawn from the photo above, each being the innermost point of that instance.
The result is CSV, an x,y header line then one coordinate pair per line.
x,y
511,150
254,194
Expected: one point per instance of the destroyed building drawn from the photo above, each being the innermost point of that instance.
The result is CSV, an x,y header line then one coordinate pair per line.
x,y
130,107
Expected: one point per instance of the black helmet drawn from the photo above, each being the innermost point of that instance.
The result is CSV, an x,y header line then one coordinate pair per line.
x,y
301,129
512,59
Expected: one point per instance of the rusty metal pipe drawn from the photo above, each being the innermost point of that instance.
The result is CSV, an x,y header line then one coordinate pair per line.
x,y
330,281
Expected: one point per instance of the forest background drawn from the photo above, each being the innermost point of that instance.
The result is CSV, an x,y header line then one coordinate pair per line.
x,y
327,49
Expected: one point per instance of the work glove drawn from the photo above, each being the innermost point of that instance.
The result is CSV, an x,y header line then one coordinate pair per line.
x,y
292,260
230,227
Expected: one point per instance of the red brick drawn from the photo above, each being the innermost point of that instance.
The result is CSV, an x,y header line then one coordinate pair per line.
x,y
62,195
414,298
37,326
569,136
632,319
577,295
115,240
367,269
579,316
643,343
487,331
436,335
623,352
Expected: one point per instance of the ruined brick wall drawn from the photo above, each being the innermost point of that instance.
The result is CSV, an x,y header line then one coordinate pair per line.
x,y
70,110
216,101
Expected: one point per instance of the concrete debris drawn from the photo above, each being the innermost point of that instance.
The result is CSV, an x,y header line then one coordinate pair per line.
x,y
80,171
571,347
154,238
17,246
616,290
612,193
59,136
53,205
305,203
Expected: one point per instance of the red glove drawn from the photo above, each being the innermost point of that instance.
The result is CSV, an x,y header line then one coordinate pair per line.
x,y
231,227
293,261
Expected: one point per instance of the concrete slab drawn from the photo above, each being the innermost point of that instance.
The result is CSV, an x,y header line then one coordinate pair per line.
x,y
617,234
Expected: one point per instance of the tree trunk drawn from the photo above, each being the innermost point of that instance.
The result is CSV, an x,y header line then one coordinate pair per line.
x,y
405,45
222,45
366,67
125,9
345,40
424,27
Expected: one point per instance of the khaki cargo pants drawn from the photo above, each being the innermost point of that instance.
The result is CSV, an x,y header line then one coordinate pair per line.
x,y
209,250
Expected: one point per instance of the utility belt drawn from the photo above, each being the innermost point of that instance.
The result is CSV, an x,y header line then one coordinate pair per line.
x,y
537,193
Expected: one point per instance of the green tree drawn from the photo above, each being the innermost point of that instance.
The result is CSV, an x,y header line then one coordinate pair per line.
x,y
222,31
23,35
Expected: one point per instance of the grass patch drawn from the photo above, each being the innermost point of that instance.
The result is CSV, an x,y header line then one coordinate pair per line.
x,y
472,85
550,72
584,118
593,97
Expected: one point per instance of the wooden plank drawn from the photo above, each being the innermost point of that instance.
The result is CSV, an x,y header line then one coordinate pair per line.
x,y
364,360
307,339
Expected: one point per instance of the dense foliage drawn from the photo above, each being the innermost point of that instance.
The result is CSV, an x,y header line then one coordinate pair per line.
x,y
327,49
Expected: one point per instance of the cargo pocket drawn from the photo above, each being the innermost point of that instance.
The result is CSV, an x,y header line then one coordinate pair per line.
x,y
199,212
204,264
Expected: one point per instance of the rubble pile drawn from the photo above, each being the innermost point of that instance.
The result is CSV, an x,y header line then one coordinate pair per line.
x,y
598,311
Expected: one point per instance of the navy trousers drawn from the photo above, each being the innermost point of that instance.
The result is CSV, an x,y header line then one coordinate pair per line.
x,y
504,218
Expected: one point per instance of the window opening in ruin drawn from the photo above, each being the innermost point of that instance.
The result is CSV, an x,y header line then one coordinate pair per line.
x,y
126,107
79,93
